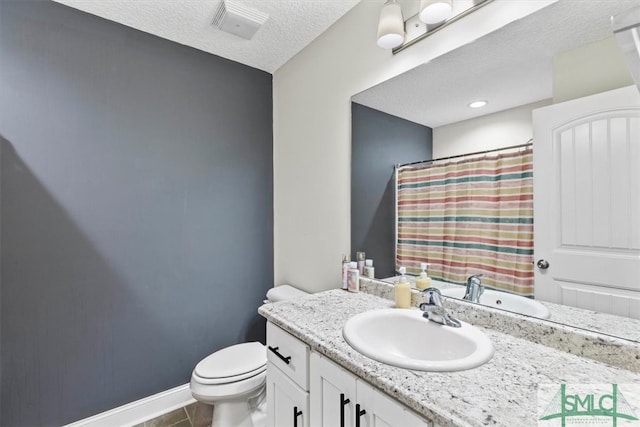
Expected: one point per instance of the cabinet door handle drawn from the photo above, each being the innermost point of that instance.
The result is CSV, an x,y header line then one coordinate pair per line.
x,y
359,413
343,403
275,351
296,414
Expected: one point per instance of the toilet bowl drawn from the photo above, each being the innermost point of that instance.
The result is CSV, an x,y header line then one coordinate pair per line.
x,y
230,379
233,379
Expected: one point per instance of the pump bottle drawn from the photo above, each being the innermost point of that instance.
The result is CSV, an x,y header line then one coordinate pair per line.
x,y
423,281
402,290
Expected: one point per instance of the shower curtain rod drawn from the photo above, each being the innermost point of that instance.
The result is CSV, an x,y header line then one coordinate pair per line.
x,y
526,144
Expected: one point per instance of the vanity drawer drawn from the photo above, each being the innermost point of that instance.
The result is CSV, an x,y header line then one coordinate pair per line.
x,y
289,354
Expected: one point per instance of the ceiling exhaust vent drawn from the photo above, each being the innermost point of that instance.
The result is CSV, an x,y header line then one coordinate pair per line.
x,y
237,19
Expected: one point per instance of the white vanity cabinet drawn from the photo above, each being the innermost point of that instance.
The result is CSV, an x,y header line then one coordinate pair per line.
x,y
305,389
338,398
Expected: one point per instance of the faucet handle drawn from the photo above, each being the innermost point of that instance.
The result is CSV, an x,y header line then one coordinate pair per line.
x,y
434,296
474,288
435,311
476,278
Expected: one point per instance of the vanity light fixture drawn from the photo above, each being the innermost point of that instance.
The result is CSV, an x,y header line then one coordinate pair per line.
x,y
430,17
478,104
435,11
390,26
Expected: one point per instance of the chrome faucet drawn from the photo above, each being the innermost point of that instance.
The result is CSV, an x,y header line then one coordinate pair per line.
x,y
474,288
435,311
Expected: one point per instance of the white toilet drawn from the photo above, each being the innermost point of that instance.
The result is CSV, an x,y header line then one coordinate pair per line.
x,y
233,379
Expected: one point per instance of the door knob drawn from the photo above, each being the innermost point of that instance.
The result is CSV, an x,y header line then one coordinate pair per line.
x,y
542,264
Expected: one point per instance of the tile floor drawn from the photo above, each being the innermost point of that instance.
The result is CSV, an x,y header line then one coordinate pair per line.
x,y
194,415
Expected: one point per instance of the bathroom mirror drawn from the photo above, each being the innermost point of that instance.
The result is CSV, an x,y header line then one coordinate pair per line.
x,y
543,59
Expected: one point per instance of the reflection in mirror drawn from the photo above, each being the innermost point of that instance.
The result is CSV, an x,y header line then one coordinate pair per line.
x,y
469,217
550,61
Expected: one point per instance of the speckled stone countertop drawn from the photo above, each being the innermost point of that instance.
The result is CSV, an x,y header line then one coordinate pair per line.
x,y
608,324
612,350
502,392
623,327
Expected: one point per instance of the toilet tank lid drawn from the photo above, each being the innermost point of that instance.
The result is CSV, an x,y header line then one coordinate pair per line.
x,y
284,292
233,361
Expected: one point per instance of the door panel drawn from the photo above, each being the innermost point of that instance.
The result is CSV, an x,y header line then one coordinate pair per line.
x,y
587,202
605,300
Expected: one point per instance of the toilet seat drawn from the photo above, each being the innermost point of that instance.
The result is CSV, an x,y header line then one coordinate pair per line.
x,y
232,364
229,380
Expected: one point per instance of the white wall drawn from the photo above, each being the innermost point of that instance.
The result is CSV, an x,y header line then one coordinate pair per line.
x,y
590,69
496,130
312,130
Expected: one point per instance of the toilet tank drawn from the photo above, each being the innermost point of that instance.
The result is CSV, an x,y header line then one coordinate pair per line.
x,y
284,292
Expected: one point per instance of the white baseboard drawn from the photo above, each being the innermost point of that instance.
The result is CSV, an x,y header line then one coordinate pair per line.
x,y
141,410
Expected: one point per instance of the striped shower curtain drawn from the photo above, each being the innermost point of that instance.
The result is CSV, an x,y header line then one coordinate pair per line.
x,y
473,216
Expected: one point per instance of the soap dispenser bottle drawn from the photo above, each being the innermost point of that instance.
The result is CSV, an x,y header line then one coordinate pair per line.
x,y
423,281
402,290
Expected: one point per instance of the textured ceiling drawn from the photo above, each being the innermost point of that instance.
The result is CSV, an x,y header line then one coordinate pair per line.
x,y
292,24
510,67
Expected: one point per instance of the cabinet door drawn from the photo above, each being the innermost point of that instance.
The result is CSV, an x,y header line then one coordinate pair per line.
x,y
287,403
382,411
333,394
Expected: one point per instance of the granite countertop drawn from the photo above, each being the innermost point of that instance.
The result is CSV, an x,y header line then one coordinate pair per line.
x,y
502,392
609,324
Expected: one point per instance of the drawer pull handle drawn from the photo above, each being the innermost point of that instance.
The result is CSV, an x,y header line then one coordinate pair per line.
x,y
274,350
343,403
359,413
296,414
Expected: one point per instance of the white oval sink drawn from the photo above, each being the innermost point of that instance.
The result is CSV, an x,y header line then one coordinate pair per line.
x,y
405,339
504,301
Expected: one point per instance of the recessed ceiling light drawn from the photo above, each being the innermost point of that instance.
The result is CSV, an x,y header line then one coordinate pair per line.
x,y
478,104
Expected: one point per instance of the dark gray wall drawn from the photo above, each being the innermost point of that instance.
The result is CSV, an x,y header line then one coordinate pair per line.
x,y
379,141
136,222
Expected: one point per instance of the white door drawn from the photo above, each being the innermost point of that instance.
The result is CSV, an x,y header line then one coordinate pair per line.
x,y
587,202
287,404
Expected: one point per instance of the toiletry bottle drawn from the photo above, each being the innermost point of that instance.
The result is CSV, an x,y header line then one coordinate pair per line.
x,y
361,259
369,270
353,277
402,290
345,269
423,281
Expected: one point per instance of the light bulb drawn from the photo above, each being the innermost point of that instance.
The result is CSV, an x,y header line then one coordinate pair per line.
x,y
435,11
390,26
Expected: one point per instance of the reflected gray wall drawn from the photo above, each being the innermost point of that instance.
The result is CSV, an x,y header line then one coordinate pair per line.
x,y
136,211
379,141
